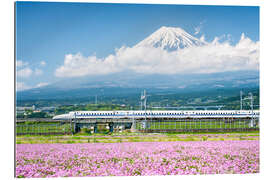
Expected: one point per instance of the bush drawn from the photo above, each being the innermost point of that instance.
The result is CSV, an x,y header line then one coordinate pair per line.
x,y
204,138
86,130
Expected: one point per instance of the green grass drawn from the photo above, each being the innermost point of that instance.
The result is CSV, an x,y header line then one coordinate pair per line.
x,y
136,138
193,125
43,128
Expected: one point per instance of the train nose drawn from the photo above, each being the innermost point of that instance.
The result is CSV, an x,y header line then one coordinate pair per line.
x,y
61,117
56,117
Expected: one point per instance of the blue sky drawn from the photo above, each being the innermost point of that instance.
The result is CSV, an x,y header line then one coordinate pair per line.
x,y
47,32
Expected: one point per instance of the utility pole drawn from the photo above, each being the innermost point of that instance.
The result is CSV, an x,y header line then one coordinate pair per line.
x,y
251,101
251,105
241,100
133,126
143,98
96,99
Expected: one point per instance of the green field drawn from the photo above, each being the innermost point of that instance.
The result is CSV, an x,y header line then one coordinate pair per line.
x,y
136,137
58,128
43,128
193,125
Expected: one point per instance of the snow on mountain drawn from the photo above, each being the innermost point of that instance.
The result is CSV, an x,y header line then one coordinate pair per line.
x,y
170,39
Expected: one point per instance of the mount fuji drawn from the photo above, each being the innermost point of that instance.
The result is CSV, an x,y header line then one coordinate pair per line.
x,y
166,38
170,39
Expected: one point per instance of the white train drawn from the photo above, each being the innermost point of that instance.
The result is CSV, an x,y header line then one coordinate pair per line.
x,y
159,114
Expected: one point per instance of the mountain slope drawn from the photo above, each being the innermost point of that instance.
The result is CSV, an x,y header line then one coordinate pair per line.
x,y
125,84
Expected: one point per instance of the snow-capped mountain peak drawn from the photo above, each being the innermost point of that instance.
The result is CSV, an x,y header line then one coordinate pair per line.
x,y
170,38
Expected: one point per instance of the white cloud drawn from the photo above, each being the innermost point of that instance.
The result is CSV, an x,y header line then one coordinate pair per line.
x,y
20,86
77,65
25,72
214,57
20,63
38,72
198,28
42,63
41,84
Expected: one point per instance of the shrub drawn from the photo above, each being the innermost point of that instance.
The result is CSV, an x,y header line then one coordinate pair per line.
x,y
86,130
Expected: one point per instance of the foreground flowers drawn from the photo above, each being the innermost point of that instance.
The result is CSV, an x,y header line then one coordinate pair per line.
x,y
138,158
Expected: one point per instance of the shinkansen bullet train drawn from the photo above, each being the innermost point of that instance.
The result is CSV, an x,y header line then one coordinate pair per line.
x,y
159,114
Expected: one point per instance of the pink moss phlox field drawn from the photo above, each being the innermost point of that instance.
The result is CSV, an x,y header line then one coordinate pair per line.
x,y
137,158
